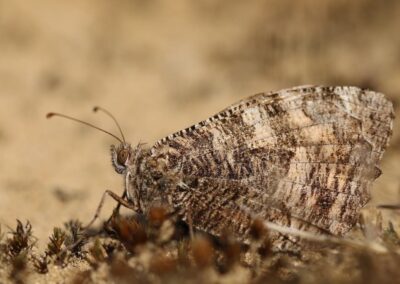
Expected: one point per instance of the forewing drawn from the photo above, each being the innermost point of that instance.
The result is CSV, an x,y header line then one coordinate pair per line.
x,y
302,157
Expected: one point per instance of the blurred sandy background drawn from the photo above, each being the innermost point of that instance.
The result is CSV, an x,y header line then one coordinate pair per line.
x,y
160,66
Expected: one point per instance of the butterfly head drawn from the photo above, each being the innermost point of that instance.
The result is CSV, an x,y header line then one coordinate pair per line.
x,y
124,156
121,157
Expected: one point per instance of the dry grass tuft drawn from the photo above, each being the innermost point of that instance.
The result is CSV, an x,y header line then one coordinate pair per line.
x,y
57,240
21,241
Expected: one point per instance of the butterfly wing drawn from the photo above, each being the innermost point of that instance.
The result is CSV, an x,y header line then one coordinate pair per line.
x,y
303,157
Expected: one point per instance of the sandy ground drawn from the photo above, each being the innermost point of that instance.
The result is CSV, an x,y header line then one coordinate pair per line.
x,y
160,67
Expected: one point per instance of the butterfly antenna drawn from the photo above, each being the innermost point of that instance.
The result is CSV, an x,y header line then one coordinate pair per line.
x,y
51,114
97,108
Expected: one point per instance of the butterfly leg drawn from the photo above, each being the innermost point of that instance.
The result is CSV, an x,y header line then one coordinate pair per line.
x,y
120,200
116,210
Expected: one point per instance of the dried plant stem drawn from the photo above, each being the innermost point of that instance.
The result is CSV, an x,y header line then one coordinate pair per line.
x,y
374,246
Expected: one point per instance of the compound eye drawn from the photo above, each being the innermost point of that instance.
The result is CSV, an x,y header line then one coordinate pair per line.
x,y
123,156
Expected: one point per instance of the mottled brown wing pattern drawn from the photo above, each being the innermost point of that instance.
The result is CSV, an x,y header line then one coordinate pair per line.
x,y
302,157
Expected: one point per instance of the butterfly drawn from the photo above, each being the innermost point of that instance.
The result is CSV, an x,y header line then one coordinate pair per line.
x,y
304,158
